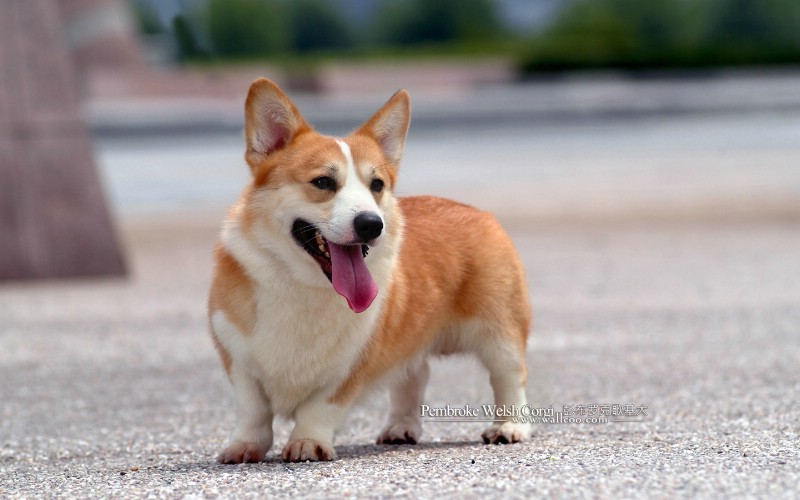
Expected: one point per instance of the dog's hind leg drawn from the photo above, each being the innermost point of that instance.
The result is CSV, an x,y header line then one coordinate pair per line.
x,y
505,361
404,425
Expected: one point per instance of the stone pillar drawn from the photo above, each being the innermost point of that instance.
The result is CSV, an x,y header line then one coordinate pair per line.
x,y
53,217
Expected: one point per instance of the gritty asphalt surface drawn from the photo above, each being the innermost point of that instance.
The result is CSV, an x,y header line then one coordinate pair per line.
x,y
663,257
112,389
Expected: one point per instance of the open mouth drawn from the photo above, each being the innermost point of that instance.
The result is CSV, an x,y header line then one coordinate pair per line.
x,y
343,265
310,238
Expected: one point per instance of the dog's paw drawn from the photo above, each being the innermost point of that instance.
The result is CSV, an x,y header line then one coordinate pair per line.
x,y
308,449
239,452
403,432
506,433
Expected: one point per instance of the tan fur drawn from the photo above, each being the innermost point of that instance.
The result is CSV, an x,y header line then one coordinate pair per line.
x,y
449,280
438,286
224,355
232,292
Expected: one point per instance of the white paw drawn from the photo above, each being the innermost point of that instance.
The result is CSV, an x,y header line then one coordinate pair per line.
x,y
239,452
308,449
406,431
505,433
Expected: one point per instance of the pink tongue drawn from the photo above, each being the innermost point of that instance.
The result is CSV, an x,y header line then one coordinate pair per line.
x,y
351,278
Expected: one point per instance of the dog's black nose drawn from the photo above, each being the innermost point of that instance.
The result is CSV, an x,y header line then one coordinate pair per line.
x,y
368,226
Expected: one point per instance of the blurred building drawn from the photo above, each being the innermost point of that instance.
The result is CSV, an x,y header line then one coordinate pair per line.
x,y
101,34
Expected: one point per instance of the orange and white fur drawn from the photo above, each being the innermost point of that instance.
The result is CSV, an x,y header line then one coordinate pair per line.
x,y
326,285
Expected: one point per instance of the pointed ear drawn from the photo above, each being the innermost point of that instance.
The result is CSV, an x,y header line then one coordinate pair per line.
x,y
389,125
271,120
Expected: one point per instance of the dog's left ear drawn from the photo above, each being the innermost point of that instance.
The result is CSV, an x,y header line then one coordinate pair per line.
x,y
389,125
271,121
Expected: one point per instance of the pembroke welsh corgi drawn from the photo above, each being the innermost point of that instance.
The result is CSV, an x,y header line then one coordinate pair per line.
x,y
326,284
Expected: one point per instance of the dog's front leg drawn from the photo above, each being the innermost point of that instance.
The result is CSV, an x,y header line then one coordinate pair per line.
x,y
252,438
404,425
316,420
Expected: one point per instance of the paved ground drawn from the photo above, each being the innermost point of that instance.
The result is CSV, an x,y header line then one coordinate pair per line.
x,y
662,254
113,389
663,167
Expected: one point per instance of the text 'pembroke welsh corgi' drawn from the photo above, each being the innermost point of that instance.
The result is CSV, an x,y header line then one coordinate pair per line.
x,y
326,284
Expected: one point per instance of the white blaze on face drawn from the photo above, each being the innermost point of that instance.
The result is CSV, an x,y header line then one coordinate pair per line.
x,y
350,275
352,199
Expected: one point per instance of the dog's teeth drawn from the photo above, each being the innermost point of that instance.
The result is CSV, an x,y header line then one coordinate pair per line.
x,y
322,245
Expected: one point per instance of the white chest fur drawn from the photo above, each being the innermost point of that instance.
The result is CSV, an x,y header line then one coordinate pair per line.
x,y
305,339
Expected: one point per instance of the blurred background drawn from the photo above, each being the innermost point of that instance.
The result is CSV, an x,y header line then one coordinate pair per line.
x,y
528,107
533,34
644,156
121,120
533,108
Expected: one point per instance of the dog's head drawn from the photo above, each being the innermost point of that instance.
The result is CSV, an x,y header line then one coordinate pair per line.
x,y
318,202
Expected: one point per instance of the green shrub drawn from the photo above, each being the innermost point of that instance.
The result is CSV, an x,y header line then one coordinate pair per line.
x,y
632,34
745,31
188,47
246,28
407,22
317,25
146,20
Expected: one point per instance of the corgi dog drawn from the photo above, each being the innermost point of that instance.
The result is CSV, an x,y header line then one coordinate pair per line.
x,y
327,285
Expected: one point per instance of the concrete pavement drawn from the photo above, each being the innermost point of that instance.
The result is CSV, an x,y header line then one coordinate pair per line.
x,y
717,166
112,389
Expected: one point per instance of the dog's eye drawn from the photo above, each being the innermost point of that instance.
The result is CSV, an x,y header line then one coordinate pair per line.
x,y
325,183
376,186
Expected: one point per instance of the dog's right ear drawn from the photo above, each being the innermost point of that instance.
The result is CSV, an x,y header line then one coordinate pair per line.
x,y
271,121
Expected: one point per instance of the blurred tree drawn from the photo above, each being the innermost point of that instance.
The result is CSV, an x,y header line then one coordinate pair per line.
x,y
146,19
186,40
770,21
246,28
429,21
317,25
668,33
597,36
741,30
621,33
266,28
